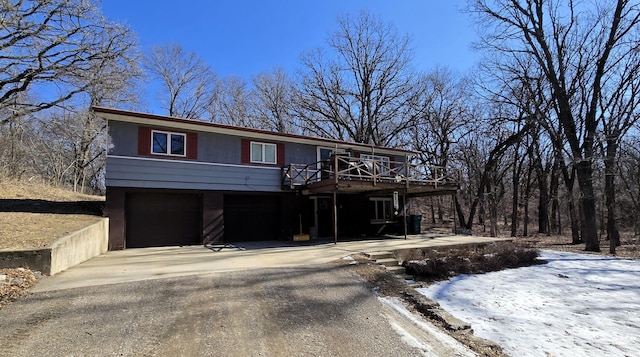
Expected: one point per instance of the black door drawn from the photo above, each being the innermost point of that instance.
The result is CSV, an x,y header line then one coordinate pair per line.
x,y
325,216
162,219
251,218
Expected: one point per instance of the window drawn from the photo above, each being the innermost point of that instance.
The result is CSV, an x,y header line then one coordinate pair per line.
x,y
167,143
381,210
381,163
263,153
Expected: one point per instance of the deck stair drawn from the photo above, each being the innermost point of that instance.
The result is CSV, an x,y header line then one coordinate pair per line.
x,y
388,261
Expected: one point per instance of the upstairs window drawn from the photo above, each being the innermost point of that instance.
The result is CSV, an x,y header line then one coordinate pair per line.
x,y
263,153
167,143
382,163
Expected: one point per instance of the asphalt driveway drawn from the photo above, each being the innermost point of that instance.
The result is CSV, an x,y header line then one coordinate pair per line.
x,y
255,299
319,310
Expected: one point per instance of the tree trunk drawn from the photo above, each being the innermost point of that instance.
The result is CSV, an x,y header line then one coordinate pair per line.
x,y
527,192
493,210
555,224
575,226
461,219
515,197
543,208
610,196
584,173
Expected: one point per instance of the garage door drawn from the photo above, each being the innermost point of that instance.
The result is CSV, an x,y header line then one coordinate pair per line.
x,y
162,219
251,218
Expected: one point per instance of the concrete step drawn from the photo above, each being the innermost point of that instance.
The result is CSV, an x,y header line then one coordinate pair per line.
x,y
397,269
380,255
388,262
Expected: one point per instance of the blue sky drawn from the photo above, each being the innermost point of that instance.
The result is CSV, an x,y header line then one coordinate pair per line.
x,y
245,37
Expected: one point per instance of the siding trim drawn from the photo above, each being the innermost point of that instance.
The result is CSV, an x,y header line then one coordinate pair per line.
x,y
192,162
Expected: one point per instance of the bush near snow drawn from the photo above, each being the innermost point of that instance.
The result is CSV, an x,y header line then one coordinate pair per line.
x,y
436,264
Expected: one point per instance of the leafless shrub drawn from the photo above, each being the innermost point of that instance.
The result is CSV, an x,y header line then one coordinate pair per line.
x,y
436,264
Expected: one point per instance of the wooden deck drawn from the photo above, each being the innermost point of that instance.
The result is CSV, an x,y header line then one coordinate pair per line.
x,y
346,174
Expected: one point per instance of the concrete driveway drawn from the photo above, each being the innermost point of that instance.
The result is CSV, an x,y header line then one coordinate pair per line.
x,y
153,263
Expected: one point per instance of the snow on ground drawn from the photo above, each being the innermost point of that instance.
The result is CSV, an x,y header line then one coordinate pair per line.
x,y
576,305
422,334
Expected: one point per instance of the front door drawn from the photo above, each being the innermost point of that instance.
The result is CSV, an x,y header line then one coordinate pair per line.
x,y
324,214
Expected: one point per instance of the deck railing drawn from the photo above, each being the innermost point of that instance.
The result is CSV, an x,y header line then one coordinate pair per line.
x,y
373,170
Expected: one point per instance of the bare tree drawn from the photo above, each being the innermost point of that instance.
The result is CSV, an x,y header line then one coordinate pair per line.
x,y
575,47
483,156
618,110
233,104
360,90
188,82
52,45
443,110
273,95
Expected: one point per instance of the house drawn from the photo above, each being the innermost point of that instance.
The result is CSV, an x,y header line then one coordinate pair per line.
x,y
172,181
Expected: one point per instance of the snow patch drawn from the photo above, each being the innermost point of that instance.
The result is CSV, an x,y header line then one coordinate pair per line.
x,y
454,346
350,259
576,305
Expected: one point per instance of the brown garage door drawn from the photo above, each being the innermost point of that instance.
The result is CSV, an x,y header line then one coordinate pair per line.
x,y
162,219
251,218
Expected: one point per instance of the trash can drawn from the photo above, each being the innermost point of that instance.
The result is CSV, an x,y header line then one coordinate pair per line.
x,y
414,223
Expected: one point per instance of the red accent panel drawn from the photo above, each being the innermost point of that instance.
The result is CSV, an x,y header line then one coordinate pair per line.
x,y
144,140
192,146
245,151
280,151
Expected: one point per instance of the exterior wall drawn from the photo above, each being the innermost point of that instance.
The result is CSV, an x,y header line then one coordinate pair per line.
x,y
124,138
180,174
218,170
115,210
218,148
212,148
218,165
212,217
300,154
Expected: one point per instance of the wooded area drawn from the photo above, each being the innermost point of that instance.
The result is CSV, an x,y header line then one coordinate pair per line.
x,y
544,130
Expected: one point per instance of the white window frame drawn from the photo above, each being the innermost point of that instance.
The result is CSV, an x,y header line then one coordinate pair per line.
x,y
381,160
381,217
263,156
169,134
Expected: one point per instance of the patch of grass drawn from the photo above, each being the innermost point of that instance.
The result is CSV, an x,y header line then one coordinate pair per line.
x,y
34,215
433,264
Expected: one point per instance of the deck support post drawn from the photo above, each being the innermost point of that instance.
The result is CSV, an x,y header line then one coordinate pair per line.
x,y
404,209
335,217
453,213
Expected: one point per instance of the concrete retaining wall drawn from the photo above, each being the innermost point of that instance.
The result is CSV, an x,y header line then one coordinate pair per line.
x,y
64,253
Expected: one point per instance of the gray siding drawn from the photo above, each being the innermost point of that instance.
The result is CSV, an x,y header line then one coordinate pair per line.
x,y
171,174
124,138
212,147
300,154
218,148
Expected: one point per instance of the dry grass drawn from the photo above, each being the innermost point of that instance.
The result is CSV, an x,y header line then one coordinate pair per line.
x,y
34,215
629,248
433,264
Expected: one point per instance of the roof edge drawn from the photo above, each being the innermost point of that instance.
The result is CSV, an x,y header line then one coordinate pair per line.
x,y
121,115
